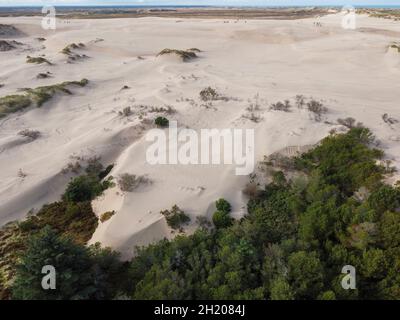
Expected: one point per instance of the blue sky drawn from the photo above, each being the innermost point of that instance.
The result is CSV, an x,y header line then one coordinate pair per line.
x,y
199,2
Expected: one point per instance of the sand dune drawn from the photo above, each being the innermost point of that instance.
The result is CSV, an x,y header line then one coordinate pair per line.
x,y
352,72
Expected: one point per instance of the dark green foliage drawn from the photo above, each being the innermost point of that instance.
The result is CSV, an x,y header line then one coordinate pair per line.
x,y
72,217
81,273
223,205
345,161
294,241
221,218
89,186
83,188
280,290
305,274
161,122
175,217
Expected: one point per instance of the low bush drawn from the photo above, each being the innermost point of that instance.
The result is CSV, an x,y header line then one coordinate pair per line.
x,y
221,218
161,122
175,217
83,188
281,106
209,94
317,108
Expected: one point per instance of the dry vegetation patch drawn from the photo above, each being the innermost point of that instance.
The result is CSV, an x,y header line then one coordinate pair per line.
x,y
185,55
106,216
130,182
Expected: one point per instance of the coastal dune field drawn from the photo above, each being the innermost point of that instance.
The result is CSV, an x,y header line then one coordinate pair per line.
x,y
252,64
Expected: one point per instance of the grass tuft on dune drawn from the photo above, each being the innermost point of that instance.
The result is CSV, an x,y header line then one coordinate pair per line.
x,y
38,96
72,46
185,55
37,60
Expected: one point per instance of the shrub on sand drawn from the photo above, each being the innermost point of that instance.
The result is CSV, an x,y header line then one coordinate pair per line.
x,y
161,122
37,60
281,106
185,55
175,217
209,94
317,108
106,216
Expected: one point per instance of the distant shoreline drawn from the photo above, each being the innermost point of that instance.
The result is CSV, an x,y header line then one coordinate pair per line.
x,y
203,12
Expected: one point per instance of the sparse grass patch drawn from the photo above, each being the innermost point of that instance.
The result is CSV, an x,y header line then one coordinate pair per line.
x,y
72,46
126,112
37,96
317,108
165,109
43,75
184,55
13,103
31,134
389,120
74,167
281,106
130,182
210,94
194,50
300,101
37,60
252,117
349,122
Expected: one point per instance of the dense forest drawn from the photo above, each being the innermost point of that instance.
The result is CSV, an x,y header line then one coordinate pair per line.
x,y
332,210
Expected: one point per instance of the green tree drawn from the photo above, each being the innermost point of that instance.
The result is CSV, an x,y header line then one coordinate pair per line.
x,y
221,219
83,188
81,272
305,274
280,290
71,262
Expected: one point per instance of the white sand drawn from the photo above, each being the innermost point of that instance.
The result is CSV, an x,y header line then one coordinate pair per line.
x,y
353,72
